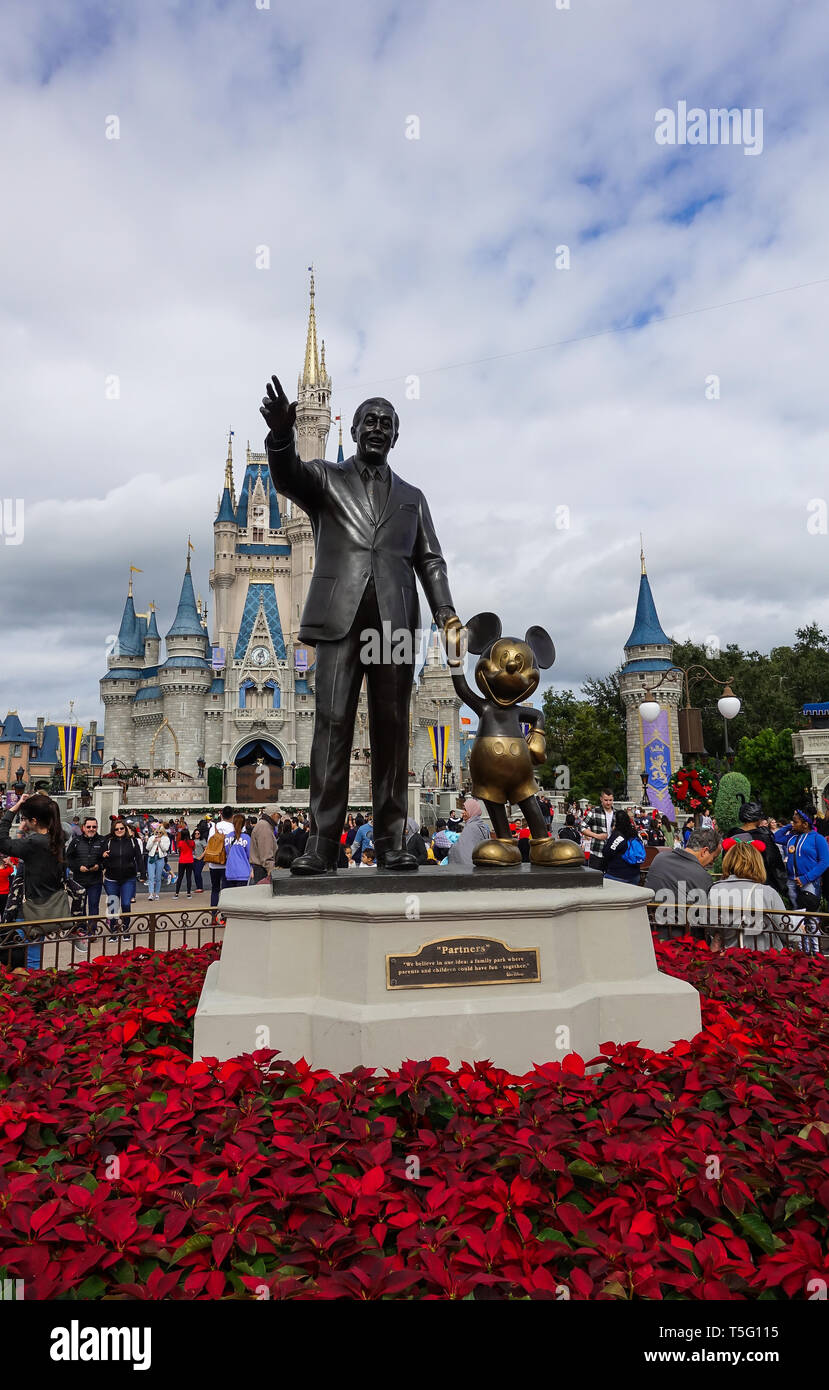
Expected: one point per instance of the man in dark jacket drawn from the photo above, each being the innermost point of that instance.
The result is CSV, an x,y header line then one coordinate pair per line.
x,y
85,863
681,883
751,813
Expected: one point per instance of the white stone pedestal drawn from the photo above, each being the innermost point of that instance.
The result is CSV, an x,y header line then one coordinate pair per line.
x,y
307,975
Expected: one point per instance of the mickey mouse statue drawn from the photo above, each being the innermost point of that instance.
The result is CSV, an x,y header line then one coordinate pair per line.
x,y
501,760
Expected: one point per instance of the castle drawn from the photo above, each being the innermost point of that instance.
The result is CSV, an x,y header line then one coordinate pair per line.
x,y
244,700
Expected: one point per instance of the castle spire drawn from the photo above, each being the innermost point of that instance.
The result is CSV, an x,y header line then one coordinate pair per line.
x,y
229,462
647,629
311,368
340,454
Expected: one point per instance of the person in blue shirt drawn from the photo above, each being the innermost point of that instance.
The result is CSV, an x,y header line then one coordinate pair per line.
x,y
364,839
807,860
237,855
623,853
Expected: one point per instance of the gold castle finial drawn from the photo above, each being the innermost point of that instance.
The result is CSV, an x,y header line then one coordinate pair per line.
x,y
311,368
229,463
133,570
642,553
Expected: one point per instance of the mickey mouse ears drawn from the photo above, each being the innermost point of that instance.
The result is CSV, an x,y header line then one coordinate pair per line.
x,y
485,628
482,631
542,645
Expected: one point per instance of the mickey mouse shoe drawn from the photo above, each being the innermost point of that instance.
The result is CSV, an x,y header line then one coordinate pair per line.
x,y
493,854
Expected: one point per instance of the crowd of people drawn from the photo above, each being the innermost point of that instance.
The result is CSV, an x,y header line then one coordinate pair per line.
x,y
771,877
757,880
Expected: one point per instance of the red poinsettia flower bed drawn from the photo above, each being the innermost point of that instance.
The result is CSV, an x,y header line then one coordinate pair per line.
x,y
130,1171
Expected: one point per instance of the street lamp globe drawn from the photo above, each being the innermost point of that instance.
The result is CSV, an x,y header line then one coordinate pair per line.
x,y
649,710
728,704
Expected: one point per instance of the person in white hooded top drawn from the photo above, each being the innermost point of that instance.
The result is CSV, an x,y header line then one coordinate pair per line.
x,y
743,900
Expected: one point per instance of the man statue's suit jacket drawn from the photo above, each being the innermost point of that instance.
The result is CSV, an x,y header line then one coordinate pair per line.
x,y
351,546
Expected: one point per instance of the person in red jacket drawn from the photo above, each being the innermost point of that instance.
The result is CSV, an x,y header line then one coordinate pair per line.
x,y
185,861
7,868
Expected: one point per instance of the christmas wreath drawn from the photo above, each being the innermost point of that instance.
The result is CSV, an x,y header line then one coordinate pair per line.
x,y
692,788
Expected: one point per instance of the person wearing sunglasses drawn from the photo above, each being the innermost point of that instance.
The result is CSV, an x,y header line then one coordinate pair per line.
x,y
123,862
85,862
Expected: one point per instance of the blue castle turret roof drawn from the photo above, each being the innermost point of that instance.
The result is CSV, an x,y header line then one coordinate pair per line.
x,y
225,512
187,622
647,629
129,641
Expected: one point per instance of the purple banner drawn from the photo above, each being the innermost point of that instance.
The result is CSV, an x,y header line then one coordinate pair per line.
x,y
656,743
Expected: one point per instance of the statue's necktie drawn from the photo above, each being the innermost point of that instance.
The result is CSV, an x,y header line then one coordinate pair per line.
x,y
375,491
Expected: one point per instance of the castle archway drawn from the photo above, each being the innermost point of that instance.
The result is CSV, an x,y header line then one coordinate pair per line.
x,y
164,725
260,772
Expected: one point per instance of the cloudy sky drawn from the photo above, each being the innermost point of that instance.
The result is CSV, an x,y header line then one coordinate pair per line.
x,y
541,388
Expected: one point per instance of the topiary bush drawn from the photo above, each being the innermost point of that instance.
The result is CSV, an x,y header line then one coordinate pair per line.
x,y
733,790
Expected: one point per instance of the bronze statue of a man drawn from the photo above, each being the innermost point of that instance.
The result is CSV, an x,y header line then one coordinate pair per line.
x,y
373,534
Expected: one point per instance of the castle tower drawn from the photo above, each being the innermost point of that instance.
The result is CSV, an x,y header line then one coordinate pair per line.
x,y
224,551
125,671
152,640
434,702
313,394
184,680
648,660
313,421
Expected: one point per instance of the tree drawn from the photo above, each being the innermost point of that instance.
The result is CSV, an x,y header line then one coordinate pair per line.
x,y
584,745
777,781
773,687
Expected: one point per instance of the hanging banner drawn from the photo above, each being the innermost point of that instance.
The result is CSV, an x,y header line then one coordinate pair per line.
x,y
69,742
439,739
656,746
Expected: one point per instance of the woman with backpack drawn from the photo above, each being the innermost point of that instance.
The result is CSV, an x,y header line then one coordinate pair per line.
x,y
214,857
237,851
623,854
185,862
158,847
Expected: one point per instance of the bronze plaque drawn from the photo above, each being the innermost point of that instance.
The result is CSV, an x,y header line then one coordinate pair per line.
x,y
462,960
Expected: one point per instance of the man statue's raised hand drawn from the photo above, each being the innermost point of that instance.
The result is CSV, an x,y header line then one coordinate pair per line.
x,y
279,413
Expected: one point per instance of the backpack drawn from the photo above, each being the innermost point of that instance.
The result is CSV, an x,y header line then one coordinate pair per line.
x,y
215,852
635,852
